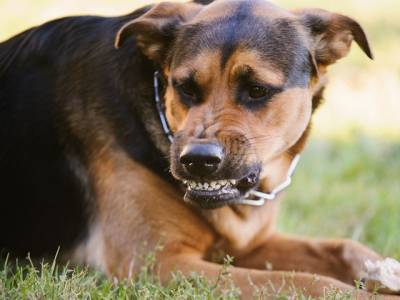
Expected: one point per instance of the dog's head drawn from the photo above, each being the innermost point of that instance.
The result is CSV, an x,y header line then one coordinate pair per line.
x,y
240,81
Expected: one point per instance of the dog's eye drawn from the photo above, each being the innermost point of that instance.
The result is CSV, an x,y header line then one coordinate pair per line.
x,y
257,92
189,92
255,95
187,89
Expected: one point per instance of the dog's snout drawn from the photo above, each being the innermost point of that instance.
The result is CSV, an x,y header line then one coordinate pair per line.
x,y
201,159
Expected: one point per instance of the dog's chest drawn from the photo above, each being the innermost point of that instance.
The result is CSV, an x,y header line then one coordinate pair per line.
x,y
238,233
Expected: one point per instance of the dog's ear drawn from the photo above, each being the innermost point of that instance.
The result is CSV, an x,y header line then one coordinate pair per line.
x,y
331,35
156,29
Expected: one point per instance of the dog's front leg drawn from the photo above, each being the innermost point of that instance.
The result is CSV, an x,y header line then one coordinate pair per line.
x,y
135,212
263,284
341,259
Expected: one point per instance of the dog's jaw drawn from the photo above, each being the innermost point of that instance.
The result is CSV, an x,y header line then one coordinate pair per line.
x,y
216,194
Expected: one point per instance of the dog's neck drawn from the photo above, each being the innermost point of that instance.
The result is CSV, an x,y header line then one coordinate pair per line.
x,y
244,227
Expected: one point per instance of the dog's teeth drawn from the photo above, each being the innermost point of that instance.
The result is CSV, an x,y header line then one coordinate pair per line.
x,y
210,186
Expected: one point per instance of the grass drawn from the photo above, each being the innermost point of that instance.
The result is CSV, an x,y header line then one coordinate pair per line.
x,y
49,281
346,189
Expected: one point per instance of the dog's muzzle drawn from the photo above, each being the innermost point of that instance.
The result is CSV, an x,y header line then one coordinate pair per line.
x,y
202,161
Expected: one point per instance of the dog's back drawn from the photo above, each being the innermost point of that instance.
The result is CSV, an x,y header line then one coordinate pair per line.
x,y
41,205
46,73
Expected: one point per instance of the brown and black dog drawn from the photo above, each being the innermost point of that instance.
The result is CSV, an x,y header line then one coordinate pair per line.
x,y
86,164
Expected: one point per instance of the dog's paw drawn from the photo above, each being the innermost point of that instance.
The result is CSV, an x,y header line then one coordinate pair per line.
x,y
382,276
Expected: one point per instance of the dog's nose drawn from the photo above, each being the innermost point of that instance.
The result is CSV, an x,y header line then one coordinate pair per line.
x,y
201,159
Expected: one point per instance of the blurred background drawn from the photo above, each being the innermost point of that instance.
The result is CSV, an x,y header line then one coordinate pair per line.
x,y
348,183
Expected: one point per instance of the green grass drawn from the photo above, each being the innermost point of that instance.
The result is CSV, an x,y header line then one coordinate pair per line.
x,y
346,189
49,281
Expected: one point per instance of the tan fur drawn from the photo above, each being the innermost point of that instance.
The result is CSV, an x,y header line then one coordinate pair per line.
x,y
132,198
263,69
91,250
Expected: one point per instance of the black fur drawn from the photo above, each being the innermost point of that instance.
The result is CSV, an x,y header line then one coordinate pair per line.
x,y
278,41
62,87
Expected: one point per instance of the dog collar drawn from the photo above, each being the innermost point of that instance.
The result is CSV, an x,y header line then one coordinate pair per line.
x,y
252,198
260,198
161,108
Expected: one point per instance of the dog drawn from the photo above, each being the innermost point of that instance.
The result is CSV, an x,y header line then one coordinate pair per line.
x,y
178,125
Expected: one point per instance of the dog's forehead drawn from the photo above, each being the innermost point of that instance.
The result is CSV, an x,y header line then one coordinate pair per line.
x,y
223,8
231,26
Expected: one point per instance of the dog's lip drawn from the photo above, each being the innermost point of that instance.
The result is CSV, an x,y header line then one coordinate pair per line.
x,y
218,193
210,200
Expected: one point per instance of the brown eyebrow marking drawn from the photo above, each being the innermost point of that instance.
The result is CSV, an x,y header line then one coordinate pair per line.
x,y
247,73
198,67
262,70
190,76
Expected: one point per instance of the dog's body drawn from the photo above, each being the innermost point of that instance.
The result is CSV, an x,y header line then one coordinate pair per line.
x,y
85,160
